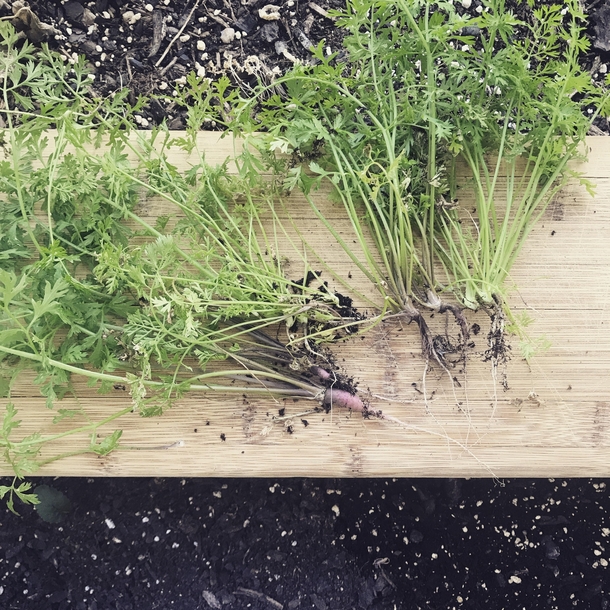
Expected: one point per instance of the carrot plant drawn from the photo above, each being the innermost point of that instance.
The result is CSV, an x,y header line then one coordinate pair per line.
x,y
534,105
420,88
94,286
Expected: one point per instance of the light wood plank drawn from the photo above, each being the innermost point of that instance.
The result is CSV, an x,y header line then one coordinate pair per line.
x,y
553,420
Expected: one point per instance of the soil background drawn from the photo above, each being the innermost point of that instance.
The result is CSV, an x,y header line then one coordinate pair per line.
x,y
267,544
102,544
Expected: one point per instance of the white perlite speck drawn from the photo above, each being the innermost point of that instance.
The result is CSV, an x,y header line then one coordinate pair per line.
x,y
270,12
514,580
466,3
227,35
130,18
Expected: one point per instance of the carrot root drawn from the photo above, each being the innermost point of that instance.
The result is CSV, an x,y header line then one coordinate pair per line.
x,y
320,373
342,399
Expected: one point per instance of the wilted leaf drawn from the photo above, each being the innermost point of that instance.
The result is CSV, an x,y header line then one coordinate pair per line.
x,y
53,505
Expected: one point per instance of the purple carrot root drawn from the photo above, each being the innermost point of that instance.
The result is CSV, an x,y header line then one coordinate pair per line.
x,y
321,373
342,399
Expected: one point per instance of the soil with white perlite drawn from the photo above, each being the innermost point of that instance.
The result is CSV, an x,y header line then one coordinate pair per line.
x,y
260,544
265,544
150,47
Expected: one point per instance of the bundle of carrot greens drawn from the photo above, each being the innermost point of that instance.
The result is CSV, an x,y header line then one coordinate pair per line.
x,y
95,286
421,91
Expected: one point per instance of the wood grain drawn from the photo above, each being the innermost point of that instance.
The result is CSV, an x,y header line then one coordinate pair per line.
x,y
553,420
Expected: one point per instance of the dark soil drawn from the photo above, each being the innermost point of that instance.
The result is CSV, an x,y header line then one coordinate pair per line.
x,y
149,47
321,544
270,544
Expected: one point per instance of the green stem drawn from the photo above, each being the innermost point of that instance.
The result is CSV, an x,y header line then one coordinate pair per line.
x,y
87,428
159,384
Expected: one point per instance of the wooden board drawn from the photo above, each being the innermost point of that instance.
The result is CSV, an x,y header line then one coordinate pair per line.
x,y
553,420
